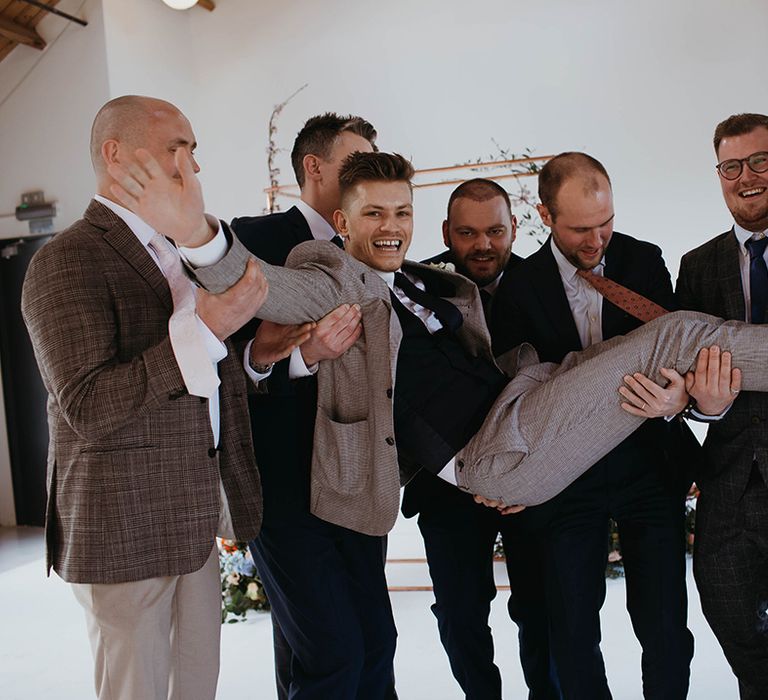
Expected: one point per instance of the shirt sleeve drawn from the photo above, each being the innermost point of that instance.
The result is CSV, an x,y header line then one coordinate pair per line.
x,y
253,375
297,368
209,253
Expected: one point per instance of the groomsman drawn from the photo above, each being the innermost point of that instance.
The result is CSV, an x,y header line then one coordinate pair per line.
x,y
282,418
459,534
727,277
550,302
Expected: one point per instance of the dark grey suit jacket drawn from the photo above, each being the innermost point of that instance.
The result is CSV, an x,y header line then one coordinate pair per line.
x,y
710,281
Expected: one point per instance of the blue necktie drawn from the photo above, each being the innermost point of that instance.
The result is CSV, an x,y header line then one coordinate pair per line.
x,y
758,278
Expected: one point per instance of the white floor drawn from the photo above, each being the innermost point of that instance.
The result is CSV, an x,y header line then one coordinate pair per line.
x,y
44,651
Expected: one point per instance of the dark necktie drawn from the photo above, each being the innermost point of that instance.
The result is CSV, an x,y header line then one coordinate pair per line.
x,y
448,315
758,278
337,241
633,303
486,298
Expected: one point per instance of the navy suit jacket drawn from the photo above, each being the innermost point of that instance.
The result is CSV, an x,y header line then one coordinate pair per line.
x,y
531,306
282,420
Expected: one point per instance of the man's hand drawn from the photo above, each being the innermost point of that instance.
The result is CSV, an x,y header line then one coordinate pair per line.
x,y
713,383
647,399
226,312
334,335
498,505
172,206
273,341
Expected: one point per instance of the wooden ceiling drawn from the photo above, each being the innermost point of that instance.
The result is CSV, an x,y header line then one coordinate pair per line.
x,y
18,21
17,25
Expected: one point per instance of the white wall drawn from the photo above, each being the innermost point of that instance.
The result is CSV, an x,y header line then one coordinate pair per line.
x,y
639,85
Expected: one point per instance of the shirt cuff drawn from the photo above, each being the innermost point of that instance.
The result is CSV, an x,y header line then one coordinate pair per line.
x,y
253,375
217,351
209,253
297,368
704,418
448,472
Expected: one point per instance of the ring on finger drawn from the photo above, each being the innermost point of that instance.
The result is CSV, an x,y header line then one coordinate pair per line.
x,y
642,408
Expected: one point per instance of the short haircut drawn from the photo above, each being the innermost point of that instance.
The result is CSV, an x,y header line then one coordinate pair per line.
x,y
478,189
122,118
738,125
319,133
563,167
373,167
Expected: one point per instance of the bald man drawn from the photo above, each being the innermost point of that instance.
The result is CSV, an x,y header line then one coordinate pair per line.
x,y
144,466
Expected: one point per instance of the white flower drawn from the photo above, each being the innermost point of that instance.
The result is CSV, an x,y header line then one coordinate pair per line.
x,y
253,591
233,579
447,266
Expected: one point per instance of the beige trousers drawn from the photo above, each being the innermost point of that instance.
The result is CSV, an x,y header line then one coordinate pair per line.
x,y
156,639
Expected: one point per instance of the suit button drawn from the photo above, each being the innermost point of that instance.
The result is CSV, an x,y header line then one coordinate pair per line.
x,y
756,420
211,452
460,463
389,393
390,441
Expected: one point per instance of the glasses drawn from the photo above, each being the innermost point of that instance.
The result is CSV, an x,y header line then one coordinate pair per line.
x,y
731,169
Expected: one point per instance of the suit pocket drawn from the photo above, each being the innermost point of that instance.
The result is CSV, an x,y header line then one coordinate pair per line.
x,y
342,455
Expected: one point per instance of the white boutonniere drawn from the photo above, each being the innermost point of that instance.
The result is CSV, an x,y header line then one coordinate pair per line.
x,y
447,266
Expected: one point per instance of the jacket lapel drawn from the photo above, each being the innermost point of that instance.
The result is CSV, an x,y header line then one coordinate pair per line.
x,y
729,273
547,285
124,241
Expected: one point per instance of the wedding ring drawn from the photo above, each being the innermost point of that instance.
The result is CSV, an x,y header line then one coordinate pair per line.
x,y
734,391
642,408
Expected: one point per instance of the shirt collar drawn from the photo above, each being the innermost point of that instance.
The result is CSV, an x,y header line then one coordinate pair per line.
x,y
388,277
567,268
321,230
742,236
141,229
493,284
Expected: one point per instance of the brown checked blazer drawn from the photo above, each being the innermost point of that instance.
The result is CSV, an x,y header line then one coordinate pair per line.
x,y
133,476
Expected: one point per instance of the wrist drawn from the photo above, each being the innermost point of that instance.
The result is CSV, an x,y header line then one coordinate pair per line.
x,y
203,234
260,367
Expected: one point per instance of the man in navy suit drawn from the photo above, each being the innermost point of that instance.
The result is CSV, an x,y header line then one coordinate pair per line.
x,y
307,661
459,534
642,483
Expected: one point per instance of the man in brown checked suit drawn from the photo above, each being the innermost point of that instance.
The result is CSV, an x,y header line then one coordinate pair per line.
x,y
141,472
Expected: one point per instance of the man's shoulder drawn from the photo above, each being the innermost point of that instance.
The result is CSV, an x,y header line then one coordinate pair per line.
x,y
637,246
706,250
441,258
271,236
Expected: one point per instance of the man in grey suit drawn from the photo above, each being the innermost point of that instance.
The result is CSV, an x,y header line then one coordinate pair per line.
x,y
141,473
727,276
503,449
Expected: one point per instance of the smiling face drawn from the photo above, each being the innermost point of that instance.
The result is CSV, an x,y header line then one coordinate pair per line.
x,y
376,219
583,226
480,235
747,196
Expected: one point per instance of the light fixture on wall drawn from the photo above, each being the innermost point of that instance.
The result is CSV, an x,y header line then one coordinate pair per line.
x,y
180,4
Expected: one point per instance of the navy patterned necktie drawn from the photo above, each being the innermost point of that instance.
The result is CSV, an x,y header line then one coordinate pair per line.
x,y
338,241
758,278
448,315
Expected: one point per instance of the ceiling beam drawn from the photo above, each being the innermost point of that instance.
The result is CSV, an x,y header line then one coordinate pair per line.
x,y
20,34
207,4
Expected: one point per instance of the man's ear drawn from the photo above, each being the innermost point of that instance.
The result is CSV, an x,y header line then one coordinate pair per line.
x,y
514,227
545,214
110,151
311,165
446,239
340,223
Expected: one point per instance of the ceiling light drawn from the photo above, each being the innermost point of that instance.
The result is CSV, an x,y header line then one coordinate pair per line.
x,y
180,4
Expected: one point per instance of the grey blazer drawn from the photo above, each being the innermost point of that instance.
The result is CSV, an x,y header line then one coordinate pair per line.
x,y
133,476
355,478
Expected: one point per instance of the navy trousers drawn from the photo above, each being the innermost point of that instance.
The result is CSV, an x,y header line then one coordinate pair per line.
x,y
650,518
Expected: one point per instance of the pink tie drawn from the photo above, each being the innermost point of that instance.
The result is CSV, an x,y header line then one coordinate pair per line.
x,y
633,303
199,374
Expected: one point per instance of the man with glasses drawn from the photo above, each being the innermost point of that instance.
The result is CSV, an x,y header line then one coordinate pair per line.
x,y
727,277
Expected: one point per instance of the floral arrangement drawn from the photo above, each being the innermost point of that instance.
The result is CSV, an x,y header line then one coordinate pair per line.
x,y
447,266
241,588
